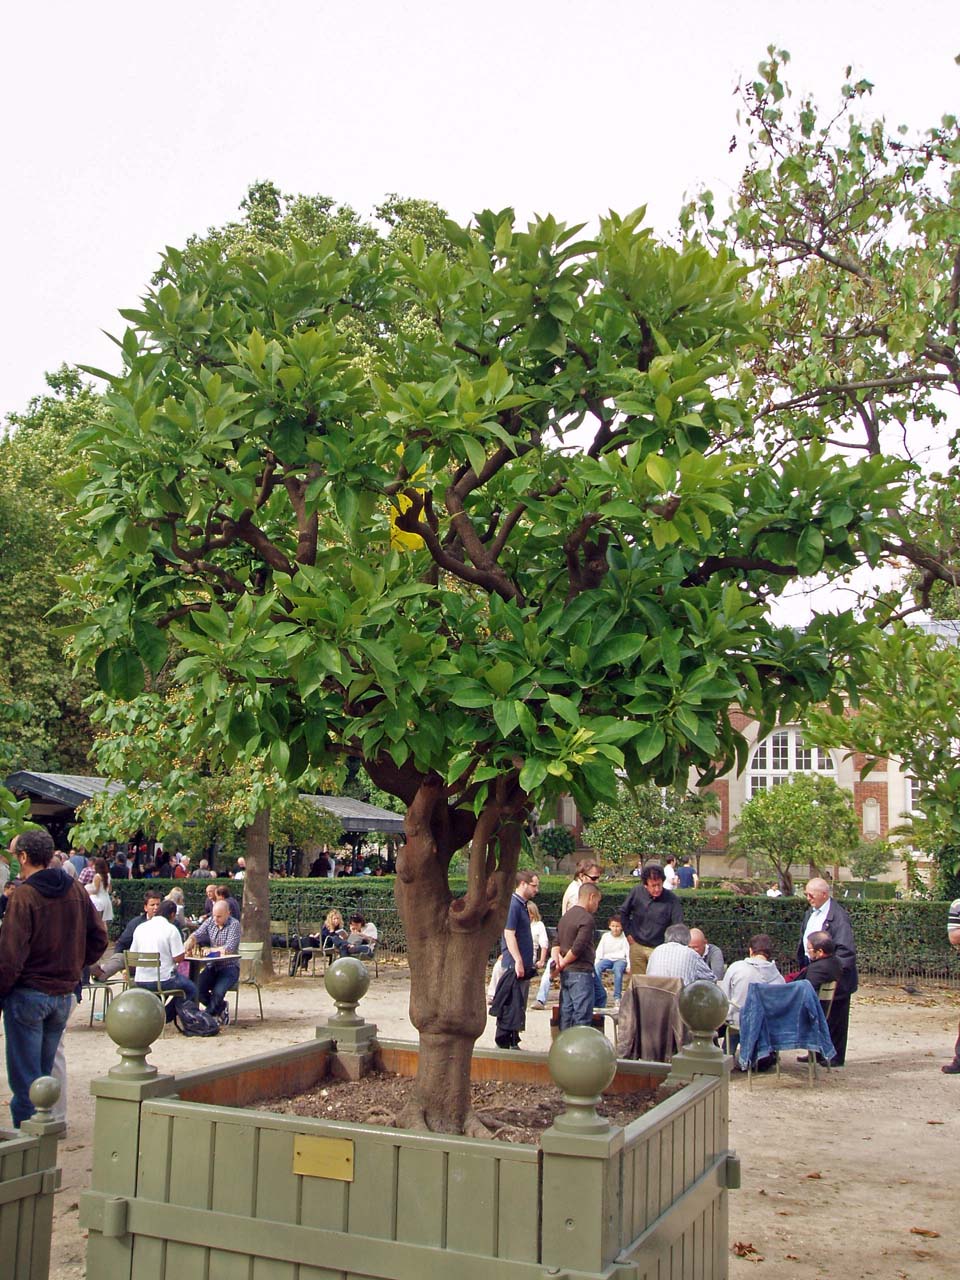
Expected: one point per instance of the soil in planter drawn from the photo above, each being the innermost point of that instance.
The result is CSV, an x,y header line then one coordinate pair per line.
x,y
513,1112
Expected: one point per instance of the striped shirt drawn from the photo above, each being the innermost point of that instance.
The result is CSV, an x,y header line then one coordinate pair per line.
x,y
674,960
226,939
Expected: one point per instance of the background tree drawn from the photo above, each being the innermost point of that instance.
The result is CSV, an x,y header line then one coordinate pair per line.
x,y
852,230
42,721
870,858
588,542
807,821
650,823
555,842
908,708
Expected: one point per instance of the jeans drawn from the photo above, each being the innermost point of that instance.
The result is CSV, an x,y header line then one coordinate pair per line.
x,y
215,981
543,991
619,968
177,983
577,994
33,1022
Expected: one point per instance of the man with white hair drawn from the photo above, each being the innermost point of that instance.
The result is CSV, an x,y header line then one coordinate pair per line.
x,y
953,937
675,958
220,932
826,916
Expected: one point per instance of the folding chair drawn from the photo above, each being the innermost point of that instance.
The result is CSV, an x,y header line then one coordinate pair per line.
x,y
132,960
251,955
94,987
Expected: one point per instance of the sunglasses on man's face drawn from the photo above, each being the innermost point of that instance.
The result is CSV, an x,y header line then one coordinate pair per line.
x,y
593,878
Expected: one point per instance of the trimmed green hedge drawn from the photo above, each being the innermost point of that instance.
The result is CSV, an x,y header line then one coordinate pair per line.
x,y
894,939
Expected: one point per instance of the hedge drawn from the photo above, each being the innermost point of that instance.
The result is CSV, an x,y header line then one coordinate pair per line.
x,y
894,939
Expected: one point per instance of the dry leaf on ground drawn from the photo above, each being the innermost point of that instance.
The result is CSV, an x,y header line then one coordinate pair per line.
x,y
924,1231
743,1249
813,1175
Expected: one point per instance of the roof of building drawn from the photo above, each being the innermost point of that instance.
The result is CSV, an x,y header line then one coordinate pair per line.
x,y
71,790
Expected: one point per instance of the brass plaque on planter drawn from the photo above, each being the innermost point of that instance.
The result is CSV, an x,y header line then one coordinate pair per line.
x,y
323,1158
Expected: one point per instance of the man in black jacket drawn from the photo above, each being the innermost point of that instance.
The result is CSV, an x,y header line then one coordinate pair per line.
x,y
647,912
113,964
824,915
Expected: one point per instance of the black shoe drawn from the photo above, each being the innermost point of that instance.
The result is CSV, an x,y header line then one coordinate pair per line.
x,y
952,1068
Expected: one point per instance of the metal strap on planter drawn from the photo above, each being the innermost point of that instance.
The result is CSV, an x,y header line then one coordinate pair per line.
x,y
42,1183
287,1242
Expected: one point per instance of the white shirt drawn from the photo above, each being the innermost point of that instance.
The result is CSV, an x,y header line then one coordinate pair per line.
x,y
160,936
670,878
815,923
571,896
611,948
541,942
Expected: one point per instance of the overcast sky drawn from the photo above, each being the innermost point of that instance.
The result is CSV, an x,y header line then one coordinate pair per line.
x,y
128,127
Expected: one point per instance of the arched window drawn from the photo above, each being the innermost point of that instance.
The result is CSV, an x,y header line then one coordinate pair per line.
x,y
784,753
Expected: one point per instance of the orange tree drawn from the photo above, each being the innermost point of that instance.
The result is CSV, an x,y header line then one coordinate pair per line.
x,y
488,517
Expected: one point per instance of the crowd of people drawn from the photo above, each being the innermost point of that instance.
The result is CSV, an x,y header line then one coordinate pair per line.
x,y
647,937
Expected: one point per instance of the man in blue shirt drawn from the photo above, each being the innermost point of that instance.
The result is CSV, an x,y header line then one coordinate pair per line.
x,y
517,952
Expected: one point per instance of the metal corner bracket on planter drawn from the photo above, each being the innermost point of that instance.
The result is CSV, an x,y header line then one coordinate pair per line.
x,y
189,1179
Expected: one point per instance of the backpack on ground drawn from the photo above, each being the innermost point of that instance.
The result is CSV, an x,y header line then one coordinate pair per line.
x,y
191,1020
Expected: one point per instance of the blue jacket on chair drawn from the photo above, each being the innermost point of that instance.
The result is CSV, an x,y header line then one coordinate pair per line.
x,y
783,1017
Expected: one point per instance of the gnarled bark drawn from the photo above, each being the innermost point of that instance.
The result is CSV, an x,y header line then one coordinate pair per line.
x,y
449,939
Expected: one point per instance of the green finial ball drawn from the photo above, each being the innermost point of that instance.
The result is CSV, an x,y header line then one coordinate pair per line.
x,y
44,1093
134,1019
703,1006
582,1062
347,980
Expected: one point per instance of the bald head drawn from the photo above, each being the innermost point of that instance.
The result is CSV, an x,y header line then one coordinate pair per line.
x,y
220,913
698,941
816,892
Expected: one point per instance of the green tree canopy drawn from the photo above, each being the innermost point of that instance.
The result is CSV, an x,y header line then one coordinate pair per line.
x,y
808,820
485,516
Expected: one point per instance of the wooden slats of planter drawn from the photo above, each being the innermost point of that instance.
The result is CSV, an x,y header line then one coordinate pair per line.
x,y
27,1185
478,1198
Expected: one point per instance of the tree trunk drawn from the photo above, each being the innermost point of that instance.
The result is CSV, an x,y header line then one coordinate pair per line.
x,y
255,915
448,942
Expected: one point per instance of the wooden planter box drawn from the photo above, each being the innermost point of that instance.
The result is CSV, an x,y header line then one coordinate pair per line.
x,y
28,1179
189,1180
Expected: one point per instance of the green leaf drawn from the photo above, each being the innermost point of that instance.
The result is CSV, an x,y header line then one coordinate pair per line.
x,y
532,775
564,708
500,677
505,715
619,648
649,744
661,472
151,643
475,452
810,548
242,729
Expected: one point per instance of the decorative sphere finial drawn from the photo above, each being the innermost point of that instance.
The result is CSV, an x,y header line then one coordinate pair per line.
x,y
133,1021
44,1094
703,1007
582,1062
347,981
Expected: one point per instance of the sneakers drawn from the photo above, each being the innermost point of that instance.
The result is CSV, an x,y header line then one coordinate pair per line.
x,y
952,1068
538,1004
223,1017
